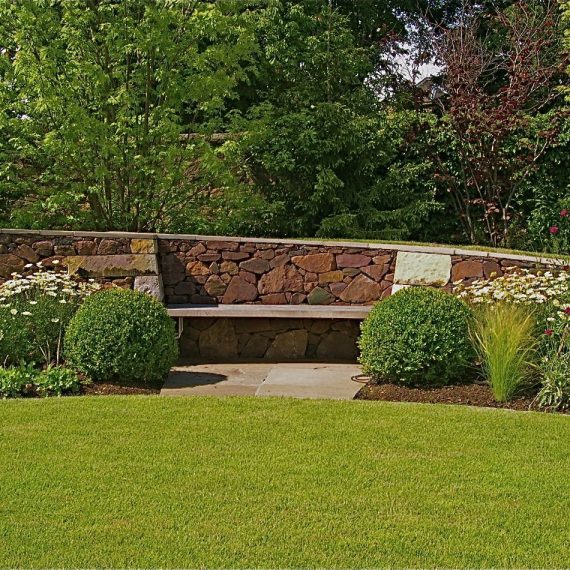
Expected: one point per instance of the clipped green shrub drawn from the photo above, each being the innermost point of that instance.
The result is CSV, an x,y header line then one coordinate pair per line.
x,y
417,336
121,335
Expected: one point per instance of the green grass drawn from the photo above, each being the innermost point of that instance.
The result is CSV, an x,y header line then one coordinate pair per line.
x,y
199,482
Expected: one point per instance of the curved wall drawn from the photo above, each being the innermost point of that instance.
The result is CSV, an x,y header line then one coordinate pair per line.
x,y
188,269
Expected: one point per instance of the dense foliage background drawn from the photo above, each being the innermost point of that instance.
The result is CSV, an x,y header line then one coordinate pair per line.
x,y
287,117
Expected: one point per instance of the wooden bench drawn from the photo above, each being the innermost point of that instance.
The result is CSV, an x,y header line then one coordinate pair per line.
x,y
267,311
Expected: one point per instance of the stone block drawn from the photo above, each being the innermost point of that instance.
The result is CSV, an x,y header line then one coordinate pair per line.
x,y
491,269
239,291
297,298
267,254
123,265
26,252
337,288
209,257
185,288
44,248
331,277
361,290
256,265
197,268
235,255
338,346
10,264
466,270
382,259
86,247
375,272
229,267
315,262
352,260
255,347
281,279
320,326
151,284
290,345
222,245
255,325
422,269
274,299
143,246
249,277
214,268
279,260
107,247
214,286
64,250
320,296
197,250
219,340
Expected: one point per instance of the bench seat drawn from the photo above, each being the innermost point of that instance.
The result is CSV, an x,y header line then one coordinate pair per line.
x,y
271,311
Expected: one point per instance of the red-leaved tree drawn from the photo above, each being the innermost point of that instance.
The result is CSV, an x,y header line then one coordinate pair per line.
x,y
502,73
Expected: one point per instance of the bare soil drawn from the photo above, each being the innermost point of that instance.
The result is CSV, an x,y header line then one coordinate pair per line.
x,y
463,394
108,389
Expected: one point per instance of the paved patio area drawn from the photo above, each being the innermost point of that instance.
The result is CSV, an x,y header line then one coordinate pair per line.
x,y
293,380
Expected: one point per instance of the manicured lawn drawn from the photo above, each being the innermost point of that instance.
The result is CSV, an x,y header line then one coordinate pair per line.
x,y
155,482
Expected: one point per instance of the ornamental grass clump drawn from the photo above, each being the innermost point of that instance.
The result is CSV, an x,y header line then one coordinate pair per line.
x,y
505,340
418,336
122,335
547,294
35,310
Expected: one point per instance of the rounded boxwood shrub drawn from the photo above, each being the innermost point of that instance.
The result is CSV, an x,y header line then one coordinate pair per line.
x,y
121,335
417,336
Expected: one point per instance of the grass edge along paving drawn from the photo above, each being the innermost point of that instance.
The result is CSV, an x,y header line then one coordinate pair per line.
x,y
144,481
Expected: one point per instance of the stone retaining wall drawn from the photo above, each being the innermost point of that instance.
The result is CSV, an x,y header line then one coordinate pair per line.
x,y
270,340
126,261
211,270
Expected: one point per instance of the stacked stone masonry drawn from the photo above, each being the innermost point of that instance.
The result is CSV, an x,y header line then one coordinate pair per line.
x,y
272,340
226,272
210,270
198,270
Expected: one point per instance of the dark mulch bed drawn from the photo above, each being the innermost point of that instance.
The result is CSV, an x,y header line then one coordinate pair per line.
x,y
463,394
107,389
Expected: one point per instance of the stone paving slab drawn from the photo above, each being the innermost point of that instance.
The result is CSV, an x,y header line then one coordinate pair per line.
x,y
215,379
327,381
293,380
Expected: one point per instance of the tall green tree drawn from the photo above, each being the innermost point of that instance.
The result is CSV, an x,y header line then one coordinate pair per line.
x,y
317,141
96,97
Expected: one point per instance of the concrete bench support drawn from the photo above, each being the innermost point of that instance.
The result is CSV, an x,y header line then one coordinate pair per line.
x,y
222,333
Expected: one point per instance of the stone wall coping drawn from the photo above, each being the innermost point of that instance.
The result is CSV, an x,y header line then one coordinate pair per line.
x,y
80,234
443,250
